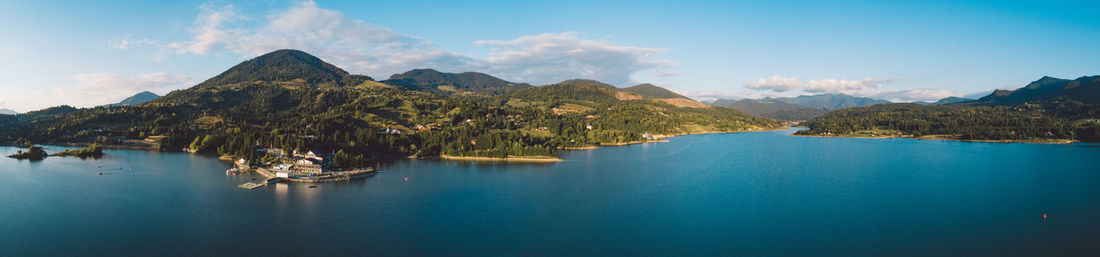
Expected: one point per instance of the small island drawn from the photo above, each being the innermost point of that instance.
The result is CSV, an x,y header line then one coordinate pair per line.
x,y
33,153
95,150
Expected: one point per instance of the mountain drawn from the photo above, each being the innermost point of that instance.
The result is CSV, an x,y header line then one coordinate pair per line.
x,y
8,111
797,108
1083,89
292,101
772,108
137,99
951,100
1046,110
650,91
832,101
441,82
287,66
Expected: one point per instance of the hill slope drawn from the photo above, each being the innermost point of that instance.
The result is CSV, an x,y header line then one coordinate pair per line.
x,y
441,82
1083,89
285,66
650,91
138,98
8,111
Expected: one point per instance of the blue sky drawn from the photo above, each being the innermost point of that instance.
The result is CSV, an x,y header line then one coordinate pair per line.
x,y
86,53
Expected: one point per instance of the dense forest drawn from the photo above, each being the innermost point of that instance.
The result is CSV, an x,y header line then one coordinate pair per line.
x,y
1043,110
292,101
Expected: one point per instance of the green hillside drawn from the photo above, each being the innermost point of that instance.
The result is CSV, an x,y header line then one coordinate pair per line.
x,y
302,104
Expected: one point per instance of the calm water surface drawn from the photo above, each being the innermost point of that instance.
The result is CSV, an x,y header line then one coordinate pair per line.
x,y
761,193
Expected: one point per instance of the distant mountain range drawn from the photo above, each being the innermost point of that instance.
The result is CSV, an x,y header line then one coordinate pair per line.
x,y
8,111
1084,89
797,108
772,108
137,99
809,106
1046,110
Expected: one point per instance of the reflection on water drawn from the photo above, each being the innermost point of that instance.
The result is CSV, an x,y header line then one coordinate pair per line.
x,y
725,194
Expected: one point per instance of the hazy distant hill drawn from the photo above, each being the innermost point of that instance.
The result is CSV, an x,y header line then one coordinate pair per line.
x,y
8,111
137,99
951,100
832,101
442,82
771,108
797,108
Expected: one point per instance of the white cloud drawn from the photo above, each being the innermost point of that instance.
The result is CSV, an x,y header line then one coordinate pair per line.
x,y
125,42
366,48
208,30
914,94
103,88
549,58
775,83
845,86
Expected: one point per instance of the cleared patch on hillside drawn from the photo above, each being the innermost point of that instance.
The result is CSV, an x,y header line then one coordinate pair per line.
x,y
627,96
208,121
571,108
373,84
682,102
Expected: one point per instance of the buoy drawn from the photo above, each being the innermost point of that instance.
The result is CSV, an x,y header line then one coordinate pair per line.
x,y
406,179
1044,216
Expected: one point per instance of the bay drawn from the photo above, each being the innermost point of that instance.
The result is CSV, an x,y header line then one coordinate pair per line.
x,y
761,193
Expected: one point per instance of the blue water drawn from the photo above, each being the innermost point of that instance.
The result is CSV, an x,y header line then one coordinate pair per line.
x,y
752,194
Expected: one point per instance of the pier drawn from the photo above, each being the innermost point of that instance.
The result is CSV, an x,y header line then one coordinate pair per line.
x,y
335,176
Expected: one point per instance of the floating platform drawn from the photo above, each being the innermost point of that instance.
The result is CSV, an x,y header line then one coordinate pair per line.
x,y
250,185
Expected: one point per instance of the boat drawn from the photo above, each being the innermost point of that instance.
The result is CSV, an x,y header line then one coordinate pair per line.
x,y
233,171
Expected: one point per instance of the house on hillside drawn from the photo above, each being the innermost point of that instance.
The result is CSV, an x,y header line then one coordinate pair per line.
x,y
312,162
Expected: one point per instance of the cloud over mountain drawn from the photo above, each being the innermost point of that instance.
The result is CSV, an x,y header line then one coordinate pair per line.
x,y
775,83
362,47
95,88
845,86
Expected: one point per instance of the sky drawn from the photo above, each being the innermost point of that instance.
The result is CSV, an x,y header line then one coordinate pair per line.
x,y
90,53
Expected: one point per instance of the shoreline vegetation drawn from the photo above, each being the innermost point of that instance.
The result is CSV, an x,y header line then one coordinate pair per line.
x,y
866,134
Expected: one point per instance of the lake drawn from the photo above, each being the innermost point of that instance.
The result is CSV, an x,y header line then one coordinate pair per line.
x,y
762,193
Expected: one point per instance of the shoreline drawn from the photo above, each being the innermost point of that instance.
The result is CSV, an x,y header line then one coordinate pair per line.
x,y
661,138
535,159
948,138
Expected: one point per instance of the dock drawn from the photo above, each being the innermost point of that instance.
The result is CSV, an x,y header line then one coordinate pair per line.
x,y
250,185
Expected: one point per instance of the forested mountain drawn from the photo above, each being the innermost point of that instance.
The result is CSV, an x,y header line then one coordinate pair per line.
x,y
772,108
440,82
297,102
288,66
1084,89
951,100
138,98
650,91
1047,109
